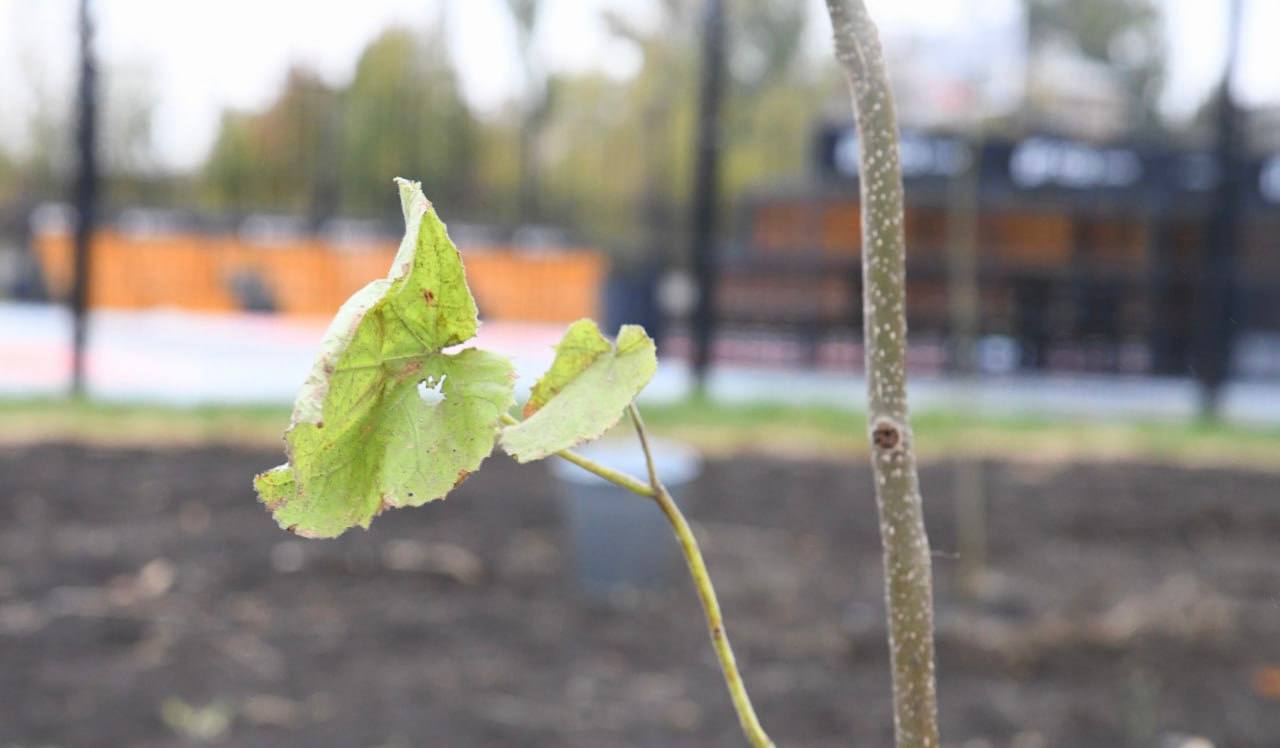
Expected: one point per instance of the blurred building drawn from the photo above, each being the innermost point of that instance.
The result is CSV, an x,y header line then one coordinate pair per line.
x,y
1088,255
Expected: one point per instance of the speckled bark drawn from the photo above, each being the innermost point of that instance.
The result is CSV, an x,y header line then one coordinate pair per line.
x,y
907,562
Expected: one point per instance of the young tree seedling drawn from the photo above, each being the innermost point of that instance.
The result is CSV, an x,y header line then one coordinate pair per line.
x,y
907,563
388,418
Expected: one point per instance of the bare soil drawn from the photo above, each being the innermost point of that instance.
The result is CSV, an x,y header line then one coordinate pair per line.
x,y
146,601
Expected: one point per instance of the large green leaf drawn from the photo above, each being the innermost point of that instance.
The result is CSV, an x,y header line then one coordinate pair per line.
x,y
583,394
386,418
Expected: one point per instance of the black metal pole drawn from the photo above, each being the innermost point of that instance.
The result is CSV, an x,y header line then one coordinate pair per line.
x,y
85,198
706,185
1218,269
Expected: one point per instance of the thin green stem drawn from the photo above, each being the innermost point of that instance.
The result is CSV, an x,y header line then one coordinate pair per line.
x,y
613,476
634,485
706,594
643,434
697,570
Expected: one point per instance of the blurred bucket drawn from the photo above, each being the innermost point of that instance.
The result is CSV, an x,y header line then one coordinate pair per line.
x,y
631,298
618,539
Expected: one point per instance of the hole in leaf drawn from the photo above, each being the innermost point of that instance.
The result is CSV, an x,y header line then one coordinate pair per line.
x,y
431,390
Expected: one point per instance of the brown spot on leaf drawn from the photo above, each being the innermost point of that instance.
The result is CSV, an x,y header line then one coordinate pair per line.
x,y
462,475
302,533
428,296
410,369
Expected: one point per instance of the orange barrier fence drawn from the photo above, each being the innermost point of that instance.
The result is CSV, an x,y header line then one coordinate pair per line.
x,y
309,276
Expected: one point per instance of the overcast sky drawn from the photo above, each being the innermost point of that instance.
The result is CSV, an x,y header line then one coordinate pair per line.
x,y
198,57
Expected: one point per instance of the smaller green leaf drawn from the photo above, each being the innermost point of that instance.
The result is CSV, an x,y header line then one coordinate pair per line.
x,y
583,394
581,346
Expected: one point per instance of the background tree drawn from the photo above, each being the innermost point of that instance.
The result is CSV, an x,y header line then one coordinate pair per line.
x,y
404,114
274,159
8,175
643,137
1124,34
662,99
535,106
130,166
769,37
46,162
609,159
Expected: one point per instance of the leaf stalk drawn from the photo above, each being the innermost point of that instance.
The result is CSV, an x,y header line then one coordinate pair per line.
x,y
634,485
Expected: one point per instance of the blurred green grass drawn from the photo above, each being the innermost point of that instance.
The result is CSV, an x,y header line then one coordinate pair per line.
x,y
833,431
717,428
129,424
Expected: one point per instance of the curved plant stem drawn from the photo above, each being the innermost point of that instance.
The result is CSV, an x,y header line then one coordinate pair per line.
x,y
706,594
697,570
609,474
613,476
908,575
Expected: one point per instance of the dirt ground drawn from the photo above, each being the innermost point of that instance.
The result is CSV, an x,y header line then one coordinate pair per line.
x,y
146,600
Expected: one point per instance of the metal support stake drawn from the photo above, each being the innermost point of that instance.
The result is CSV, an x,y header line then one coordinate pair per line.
x,y
85,198
1218,278
706,196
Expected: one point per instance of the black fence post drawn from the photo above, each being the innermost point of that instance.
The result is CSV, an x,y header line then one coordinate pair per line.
x,y
706,182
1218,273
85,198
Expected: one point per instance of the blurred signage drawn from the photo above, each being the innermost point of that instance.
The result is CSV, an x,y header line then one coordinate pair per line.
x,y
1053,162
1033,163
1053,165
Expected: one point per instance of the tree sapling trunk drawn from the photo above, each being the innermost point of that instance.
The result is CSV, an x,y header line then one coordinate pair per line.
x,y
908,576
